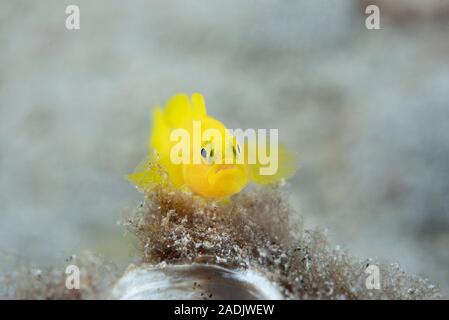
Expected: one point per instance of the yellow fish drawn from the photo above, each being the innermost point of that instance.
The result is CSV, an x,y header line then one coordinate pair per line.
x,y
200,154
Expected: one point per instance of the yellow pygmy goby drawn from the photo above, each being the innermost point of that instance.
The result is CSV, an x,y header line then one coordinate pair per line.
x,y
215,165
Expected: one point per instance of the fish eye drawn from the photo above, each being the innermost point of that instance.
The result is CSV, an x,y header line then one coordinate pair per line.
x,y
236,150
204,153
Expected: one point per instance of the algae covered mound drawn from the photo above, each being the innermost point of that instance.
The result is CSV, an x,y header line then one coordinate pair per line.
x,y
255,230
258,229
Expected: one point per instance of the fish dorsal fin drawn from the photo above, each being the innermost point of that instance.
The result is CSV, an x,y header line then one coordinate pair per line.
x,y
180,108
160,131
198,106
177,110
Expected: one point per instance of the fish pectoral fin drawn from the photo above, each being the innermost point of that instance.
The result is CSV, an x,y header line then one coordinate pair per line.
x,y
140,179
286,167
147,174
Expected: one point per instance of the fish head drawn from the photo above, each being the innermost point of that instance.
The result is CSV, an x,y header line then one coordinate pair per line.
x,y
220,171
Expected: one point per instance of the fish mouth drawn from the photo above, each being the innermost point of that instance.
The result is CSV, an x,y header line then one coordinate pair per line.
x,y
233,174
222,167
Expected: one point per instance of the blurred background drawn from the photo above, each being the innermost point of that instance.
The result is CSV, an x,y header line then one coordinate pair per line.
x,y
366,110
